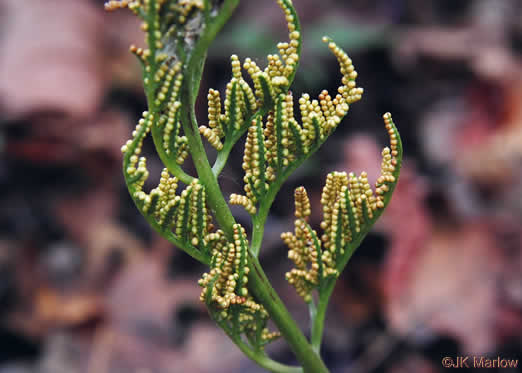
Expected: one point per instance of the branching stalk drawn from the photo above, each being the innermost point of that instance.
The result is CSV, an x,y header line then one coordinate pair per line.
x,y
236,290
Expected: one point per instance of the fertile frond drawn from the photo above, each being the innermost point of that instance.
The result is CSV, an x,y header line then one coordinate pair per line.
x,y
259,103
226,294
305,251
171,28
182,218
280,144
350,208
243,102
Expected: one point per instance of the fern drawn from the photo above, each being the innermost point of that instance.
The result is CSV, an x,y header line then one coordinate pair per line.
x,y
259,107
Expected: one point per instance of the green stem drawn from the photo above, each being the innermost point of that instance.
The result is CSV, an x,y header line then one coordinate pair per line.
x,y
317,316
210,33
263,360
190,88
259,219
258,355
174,168
258,231
223,154
259,284
318,313
265,293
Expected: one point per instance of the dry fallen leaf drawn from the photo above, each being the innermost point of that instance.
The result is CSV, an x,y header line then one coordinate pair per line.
x,y
51,61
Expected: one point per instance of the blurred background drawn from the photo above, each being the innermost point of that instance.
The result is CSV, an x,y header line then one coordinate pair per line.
x,y
87,287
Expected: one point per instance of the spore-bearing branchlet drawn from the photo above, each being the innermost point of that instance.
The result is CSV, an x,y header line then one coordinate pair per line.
x,y
350,208
226,293
279,141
